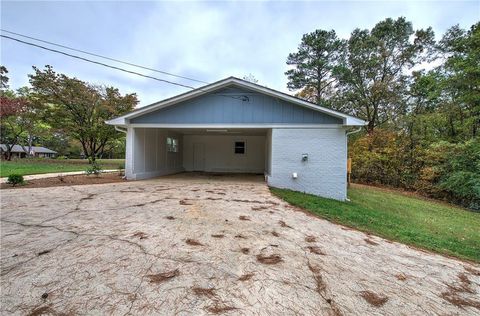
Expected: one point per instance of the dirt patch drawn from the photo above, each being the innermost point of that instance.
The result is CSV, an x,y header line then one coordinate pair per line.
x,y
244,218
170,217
131,190
401,277
310,238
271,259
220,308
247,201
245,251
41,253
322,290
464,285
246,277
81,179
42,311
163,277
143,204
201,291
455,290
472,270
370,242
274,233
215,192
140,235
373,298
316,250
193,242
283,224
455,299
259,208
321,285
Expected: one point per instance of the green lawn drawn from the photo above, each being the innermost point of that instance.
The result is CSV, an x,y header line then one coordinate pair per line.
x,y
39,165
394,215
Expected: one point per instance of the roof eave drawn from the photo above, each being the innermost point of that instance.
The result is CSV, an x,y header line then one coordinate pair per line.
x,y
353,121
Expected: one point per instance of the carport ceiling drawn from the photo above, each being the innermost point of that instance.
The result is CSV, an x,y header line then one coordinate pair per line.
x,y
221,131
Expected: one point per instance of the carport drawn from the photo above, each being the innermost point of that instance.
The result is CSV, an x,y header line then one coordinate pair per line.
x,y
161,151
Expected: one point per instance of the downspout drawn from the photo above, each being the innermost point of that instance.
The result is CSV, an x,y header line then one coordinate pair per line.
x,y
123,130
346,143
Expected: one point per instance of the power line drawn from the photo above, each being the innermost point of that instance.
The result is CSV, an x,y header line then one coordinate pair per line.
x,y
101,56
242,98
97,62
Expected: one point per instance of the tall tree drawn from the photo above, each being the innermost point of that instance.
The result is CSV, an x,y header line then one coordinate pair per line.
x,y
318,54
12,122
373,79
33,120
3,78
80,109
461,86
16,115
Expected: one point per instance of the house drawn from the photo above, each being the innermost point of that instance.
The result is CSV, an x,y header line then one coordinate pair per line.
x,y
22,151
237,126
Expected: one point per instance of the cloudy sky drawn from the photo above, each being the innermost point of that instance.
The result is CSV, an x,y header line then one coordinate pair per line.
x,y
202,40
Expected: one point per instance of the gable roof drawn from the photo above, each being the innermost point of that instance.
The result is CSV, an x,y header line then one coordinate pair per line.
x,y
348,120
35,149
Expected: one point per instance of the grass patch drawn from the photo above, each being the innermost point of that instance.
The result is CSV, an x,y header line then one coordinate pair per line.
x,y
411,220
29,166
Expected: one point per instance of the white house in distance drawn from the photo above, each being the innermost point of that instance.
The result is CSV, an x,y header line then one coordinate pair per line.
x,y
237,126
35,151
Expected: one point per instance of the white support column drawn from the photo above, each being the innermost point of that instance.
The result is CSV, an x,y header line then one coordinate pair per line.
x,y
129,153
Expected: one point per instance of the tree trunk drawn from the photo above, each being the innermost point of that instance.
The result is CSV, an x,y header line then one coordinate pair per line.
x,y
30,142
370,126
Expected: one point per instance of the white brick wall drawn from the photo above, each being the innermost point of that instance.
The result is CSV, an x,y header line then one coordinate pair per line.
x,y
324,173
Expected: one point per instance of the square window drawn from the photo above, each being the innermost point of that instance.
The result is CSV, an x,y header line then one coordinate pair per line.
x,y
239,148
172,145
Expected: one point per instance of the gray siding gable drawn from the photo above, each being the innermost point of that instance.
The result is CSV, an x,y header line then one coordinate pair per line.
x,y
235,105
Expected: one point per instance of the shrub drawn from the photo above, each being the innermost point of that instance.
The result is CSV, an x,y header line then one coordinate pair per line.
x,y
94,168
15,179
458,169
444,170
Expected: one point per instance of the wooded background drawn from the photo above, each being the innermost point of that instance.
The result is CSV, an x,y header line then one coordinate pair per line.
x,y
420,96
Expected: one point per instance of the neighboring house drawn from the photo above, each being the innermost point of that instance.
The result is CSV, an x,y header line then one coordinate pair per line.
x,y
234,125
19,151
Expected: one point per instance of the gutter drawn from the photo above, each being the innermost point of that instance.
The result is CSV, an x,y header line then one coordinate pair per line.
x,y
355,131
119,129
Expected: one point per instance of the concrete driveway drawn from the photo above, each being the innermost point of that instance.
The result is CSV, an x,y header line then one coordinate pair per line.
x,y
193,245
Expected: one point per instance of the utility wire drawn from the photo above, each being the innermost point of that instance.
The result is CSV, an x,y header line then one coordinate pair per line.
x,y
101,56
242,98
97,62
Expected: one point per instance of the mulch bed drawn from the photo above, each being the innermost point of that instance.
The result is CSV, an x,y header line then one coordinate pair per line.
x,y
67,180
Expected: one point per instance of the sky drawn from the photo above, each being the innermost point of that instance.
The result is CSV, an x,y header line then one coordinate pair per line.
x,y
207,41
